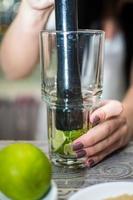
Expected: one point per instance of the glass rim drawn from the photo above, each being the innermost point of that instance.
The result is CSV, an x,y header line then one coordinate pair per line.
x,y
87,31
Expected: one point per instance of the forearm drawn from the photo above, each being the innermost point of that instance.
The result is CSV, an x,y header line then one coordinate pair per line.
x,y
128,108
19,51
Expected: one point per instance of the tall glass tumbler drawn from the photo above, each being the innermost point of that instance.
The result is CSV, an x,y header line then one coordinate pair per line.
x,y
71,78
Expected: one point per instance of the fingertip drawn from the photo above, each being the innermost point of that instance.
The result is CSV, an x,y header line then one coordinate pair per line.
x,y
94,121
97,116
111,109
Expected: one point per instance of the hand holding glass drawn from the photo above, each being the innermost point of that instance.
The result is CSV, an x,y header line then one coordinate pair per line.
x,y
71,87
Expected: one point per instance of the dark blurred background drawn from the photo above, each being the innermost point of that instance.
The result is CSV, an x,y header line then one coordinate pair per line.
x,y
21,112
94,14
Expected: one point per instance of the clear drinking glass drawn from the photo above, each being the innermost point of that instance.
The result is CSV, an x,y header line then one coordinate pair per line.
x,y
71,78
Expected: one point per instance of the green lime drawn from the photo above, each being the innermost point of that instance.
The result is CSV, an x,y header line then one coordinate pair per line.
x,y
25,172
74,134
58,141
61,143
68,149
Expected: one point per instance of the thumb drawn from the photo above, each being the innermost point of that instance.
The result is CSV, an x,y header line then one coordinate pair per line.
x,y
110,109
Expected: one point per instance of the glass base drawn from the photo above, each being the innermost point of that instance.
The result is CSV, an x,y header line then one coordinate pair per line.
x,y
65,162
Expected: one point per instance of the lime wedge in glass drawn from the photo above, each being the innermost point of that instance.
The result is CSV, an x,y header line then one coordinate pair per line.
x,y
68,149
58,141
62,141
74,134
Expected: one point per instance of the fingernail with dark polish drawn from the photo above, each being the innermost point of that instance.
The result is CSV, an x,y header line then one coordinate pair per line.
x,y
96,120
91,163
77,146
81,153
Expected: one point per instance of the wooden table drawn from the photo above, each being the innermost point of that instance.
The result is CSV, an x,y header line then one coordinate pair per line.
x,y
117,167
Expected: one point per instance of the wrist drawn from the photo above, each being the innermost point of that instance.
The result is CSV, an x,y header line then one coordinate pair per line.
x,y
128,112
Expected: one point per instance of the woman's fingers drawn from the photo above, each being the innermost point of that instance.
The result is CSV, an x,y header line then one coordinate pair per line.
x,y
99,133
110,109
101,155
119,135
110,134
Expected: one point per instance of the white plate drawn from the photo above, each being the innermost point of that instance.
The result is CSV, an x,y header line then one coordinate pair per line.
x,y
103,191
52,195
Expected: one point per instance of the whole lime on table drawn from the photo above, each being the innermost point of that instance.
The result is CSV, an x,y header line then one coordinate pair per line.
x,y
25,172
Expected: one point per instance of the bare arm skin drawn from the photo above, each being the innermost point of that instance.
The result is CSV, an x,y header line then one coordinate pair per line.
x,y
128,107
19,52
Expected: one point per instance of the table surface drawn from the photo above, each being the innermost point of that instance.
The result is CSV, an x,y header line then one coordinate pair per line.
x,y
117,167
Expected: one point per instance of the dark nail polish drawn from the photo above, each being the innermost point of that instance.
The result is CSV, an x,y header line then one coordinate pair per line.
x,y
91,163
96,121
77,146
81,153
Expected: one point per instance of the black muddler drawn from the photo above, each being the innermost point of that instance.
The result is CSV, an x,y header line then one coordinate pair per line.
x,y
69,99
